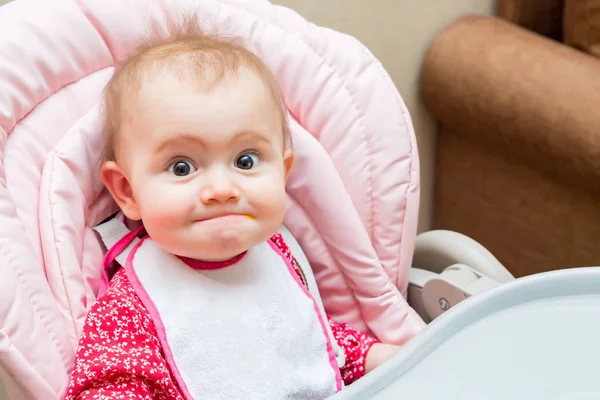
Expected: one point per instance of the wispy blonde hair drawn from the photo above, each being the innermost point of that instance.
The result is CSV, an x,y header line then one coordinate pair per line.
x,y
187,50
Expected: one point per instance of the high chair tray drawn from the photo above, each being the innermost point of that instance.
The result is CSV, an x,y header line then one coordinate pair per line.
x,y
537,337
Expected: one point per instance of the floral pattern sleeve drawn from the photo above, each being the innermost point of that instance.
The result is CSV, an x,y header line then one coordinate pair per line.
x,y
355,344
119,355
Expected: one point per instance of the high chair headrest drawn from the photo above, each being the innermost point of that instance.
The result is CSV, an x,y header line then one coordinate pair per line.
x,y
352,196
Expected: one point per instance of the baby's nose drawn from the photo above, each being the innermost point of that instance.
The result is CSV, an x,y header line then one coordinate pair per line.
x,y
219,188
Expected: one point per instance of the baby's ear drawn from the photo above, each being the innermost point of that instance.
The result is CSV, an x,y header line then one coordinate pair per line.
x,y
288,162
117,184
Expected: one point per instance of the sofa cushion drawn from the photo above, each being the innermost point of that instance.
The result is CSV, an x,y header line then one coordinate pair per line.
x,y
582,25
541,16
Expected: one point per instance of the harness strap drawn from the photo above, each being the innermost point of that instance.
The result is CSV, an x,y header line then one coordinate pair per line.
x,y
118,239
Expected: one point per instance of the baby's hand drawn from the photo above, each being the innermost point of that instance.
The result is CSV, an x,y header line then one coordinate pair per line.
x,y
378,354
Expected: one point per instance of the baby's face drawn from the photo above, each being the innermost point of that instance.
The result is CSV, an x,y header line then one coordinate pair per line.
x,y
207,168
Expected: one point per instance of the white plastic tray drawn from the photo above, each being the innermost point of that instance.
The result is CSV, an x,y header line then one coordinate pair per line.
x,y
535,338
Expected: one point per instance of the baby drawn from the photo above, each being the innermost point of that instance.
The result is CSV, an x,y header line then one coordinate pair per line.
x,y
210,303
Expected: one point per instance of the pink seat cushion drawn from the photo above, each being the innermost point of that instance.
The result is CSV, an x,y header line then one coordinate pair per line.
x,y
353,194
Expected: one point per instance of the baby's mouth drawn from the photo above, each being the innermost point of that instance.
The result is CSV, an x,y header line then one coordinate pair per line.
x,y
225,216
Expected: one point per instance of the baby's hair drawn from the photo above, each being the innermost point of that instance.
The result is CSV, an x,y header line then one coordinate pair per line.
x,y
193,54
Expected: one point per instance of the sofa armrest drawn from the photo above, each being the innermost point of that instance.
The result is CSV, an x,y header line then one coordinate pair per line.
x,y
533,97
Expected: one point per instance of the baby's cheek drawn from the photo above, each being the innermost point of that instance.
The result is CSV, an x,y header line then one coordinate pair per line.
x,y
163,221
160,213
271,202
161,206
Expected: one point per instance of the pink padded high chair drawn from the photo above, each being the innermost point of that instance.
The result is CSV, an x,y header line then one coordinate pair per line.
x,y
353,195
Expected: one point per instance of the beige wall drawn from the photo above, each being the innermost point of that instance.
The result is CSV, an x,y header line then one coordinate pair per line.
x,y
397,32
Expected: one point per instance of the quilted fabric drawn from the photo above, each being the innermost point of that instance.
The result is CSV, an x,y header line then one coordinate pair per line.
x,y
353,194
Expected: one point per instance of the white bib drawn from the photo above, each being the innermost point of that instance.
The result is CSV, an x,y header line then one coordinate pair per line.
x,y
250,330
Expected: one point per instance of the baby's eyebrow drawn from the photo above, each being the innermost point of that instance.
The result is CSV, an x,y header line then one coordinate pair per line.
x,y
197,140
178,138
251,135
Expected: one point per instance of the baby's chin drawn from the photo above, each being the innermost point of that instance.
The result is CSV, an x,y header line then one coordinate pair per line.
x,y
214,258
213,251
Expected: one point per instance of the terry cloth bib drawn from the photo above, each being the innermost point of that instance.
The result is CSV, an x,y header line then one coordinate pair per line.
x,y
250,330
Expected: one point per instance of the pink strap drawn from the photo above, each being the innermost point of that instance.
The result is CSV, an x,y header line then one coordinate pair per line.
x,y
112,254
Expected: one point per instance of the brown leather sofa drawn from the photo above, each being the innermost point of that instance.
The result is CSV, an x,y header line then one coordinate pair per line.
x,y
518,157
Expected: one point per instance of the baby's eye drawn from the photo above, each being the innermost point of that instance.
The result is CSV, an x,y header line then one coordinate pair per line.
x,y
182,168
247,161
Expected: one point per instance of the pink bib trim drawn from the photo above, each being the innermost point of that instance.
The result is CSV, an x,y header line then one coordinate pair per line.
x,y
330,352
211,265
135,282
